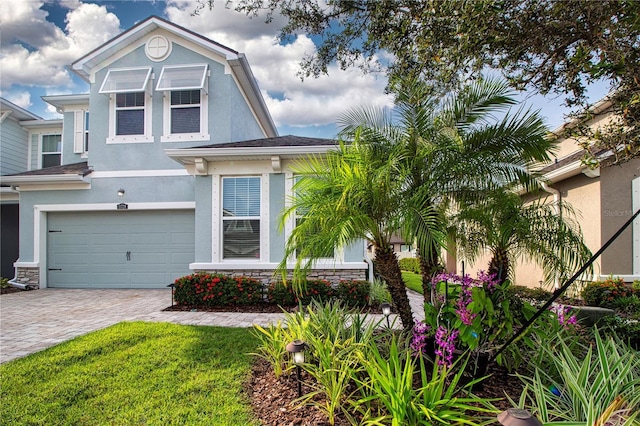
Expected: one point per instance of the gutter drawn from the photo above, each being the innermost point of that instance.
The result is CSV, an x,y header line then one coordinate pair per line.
x,y
44,179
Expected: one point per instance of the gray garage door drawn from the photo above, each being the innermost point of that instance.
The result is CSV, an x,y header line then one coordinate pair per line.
x,y
122,249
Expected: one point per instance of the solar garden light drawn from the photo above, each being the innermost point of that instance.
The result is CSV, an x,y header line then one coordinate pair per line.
x,y
297,348
517,417
172,286
386,311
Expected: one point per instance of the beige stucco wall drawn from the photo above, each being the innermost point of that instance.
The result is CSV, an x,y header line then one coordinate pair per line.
x,y
616,204
567,146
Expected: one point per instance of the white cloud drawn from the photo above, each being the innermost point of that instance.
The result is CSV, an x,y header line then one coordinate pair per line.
x,y
22,99
37,51
314,101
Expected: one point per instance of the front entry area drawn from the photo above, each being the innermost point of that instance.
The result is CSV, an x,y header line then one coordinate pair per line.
x,y
119,249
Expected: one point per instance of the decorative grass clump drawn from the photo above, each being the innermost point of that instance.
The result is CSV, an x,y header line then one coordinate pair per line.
x,y
133,374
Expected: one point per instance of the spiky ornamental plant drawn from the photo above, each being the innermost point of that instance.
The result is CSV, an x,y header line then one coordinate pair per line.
x,y
354,192
455,149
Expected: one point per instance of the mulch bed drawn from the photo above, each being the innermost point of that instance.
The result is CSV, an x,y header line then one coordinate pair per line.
x,y
9,290
274,399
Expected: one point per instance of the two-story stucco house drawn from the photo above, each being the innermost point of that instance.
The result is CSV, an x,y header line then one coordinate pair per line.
x,y
170,164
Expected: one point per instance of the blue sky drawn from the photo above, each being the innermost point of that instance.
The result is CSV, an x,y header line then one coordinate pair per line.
x,y
39,39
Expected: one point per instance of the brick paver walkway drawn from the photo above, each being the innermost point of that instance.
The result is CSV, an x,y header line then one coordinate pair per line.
x,y
34,320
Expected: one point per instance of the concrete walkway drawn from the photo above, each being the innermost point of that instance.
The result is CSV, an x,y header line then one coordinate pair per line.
x,y
34,320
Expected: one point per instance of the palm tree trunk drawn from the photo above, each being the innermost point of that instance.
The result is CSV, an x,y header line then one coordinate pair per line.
x,y
428,268
389,269
499,264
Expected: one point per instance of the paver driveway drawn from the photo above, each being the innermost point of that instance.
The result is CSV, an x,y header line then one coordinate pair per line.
x,y
34,320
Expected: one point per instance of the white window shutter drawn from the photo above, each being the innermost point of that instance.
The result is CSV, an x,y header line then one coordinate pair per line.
x,y
78,132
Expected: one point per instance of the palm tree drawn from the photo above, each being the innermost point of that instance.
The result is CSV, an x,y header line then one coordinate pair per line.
x,y
511,228
353,193
455,149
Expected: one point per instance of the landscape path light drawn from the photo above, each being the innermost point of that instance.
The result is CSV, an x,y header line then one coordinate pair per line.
x,y
172,286
517,417
296,349
386,311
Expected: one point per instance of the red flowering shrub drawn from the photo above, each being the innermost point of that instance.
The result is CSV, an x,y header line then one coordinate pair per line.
x,y
605,293
204,289
354,293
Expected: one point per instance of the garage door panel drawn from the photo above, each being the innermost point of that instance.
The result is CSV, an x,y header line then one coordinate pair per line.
x,y
91,248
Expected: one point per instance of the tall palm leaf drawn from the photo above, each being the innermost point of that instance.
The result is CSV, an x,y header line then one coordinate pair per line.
x,y
511,229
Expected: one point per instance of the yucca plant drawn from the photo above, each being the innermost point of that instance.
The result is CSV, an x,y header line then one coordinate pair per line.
x,y
389,396
600,388
272,346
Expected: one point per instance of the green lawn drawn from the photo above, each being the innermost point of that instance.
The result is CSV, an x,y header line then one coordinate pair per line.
x,y
412,281
134,374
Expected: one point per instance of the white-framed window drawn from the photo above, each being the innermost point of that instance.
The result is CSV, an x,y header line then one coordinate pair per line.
x,y
241,214
51,151
129,104
185,115
404,248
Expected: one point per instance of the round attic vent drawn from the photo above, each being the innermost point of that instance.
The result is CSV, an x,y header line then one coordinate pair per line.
x,y
157,48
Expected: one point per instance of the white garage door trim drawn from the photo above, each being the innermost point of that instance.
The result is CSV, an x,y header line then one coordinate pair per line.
x,y
40,224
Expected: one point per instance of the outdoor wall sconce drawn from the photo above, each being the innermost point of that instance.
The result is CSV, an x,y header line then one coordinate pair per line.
x,y
297,348
120,192
386,311
517,417
172,287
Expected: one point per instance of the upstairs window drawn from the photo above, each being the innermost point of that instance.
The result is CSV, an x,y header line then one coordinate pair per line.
x,y
51,150
185,102
130,113
130,104
185,111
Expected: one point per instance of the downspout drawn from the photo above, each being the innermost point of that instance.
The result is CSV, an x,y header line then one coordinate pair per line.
x,y
557,199
369,262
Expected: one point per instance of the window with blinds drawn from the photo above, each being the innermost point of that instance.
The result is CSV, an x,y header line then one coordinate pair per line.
x,y
130,113
51,150
185,111
241,217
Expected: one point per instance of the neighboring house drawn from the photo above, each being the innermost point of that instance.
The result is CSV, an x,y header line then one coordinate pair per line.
x,y
603,198
26,142
171,164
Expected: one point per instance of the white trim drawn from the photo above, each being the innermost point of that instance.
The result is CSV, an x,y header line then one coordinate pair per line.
x,y
265,229
216,208
285,152
147,137
52,186
290,222
45,179
178,205
159,55
272,266
626,278
203,135
635,203
139,173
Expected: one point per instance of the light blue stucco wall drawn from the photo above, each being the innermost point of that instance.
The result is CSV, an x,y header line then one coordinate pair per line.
x,y
13,147
203,193
276,205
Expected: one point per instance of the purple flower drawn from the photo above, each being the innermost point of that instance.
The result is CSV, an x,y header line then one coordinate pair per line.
x,y
445,342
562,313
421,332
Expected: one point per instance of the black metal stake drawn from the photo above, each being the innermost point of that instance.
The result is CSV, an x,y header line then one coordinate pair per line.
x,y
564,288
299,372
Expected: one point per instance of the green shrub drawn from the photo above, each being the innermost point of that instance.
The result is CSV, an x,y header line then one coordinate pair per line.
x,y
410,264
534,295
204,289
280,294
4,282
626,328
354,293
605,293
378,292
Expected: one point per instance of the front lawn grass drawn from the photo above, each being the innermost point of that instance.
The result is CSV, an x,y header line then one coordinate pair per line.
x,y
134,373
412,281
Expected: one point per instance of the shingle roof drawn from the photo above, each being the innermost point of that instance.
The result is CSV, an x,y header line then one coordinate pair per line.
x,y
81,169
565,161
279,141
